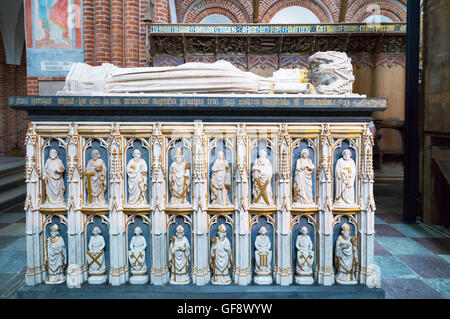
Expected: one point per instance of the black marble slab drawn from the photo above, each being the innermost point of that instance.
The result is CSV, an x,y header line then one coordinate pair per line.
x,y
213,108
191,291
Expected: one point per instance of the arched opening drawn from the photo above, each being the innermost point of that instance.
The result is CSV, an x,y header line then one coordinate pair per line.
x,y
294,15
377,18
216,19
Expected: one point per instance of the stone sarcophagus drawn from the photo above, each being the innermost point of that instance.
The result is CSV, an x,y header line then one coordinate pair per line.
x,y
199,189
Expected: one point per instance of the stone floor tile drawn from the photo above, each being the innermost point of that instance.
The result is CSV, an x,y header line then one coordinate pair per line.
x,y
5,241
11,218
445,257
3,225
439,246
18,245
4,278
442,285
12,261
384,230
379,250
15,229
417,231
398,246
391,218
378,221
23,220
392,268
412,288
427,266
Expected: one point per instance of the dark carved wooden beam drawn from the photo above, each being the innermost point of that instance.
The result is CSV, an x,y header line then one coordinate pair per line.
x,y
255,11
343,11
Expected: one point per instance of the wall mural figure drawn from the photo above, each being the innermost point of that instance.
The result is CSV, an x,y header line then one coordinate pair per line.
x,y
263,258
305,258
345,173
179,179
136,256
179,258
137,179
96,258
220,257
56,259
345,257
53,179
54,18
220,181
262,177
303,191
96,179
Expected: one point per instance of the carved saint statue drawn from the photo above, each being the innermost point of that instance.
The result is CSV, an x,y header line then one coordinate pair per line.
x,y
345,173
303,193
179,258
96,179
53,179
220,181
263,258
96,258
56,260
137,179
220,257
136,256
345,257
262,176
305,258
179,179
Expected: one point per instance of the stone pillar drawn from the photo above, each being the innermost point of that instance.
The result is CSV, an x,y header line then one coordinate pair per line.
x,y
75,187
102,34
131,33
200,266
88,31
117,26
283,272
367,210
119,262
159,274
243,272
35,272
324,273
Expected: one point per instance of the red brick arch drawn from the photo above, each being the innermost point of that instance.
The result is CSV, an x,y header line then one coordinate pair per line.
x,y
273,8
357,11
211,11
201,8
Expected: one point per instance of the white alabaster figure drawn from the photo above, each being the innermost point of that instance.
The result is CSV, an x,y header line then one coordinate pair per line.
x,y
345,172
179,258
53,179
345,257
136,256
179,179
56,259
303,192
262,177
305,258
220,181
96,258
137,179
220,257
96,179
263,258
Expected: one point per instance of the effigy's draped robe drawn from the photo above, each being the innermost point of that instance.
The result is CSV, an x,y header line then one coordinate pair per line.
x,y
305,255
179,260
98,179
263,255
345,177
56,258
221,260
178,183
303,182
54,182
96,255
345,259
220,182
262,176
136,254
137,181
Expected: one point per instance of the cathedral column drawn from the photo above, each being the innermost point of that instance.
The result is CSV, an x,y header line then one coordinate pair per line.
x,y
35,272
159,271
119,262
324,273
200,265
283,271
